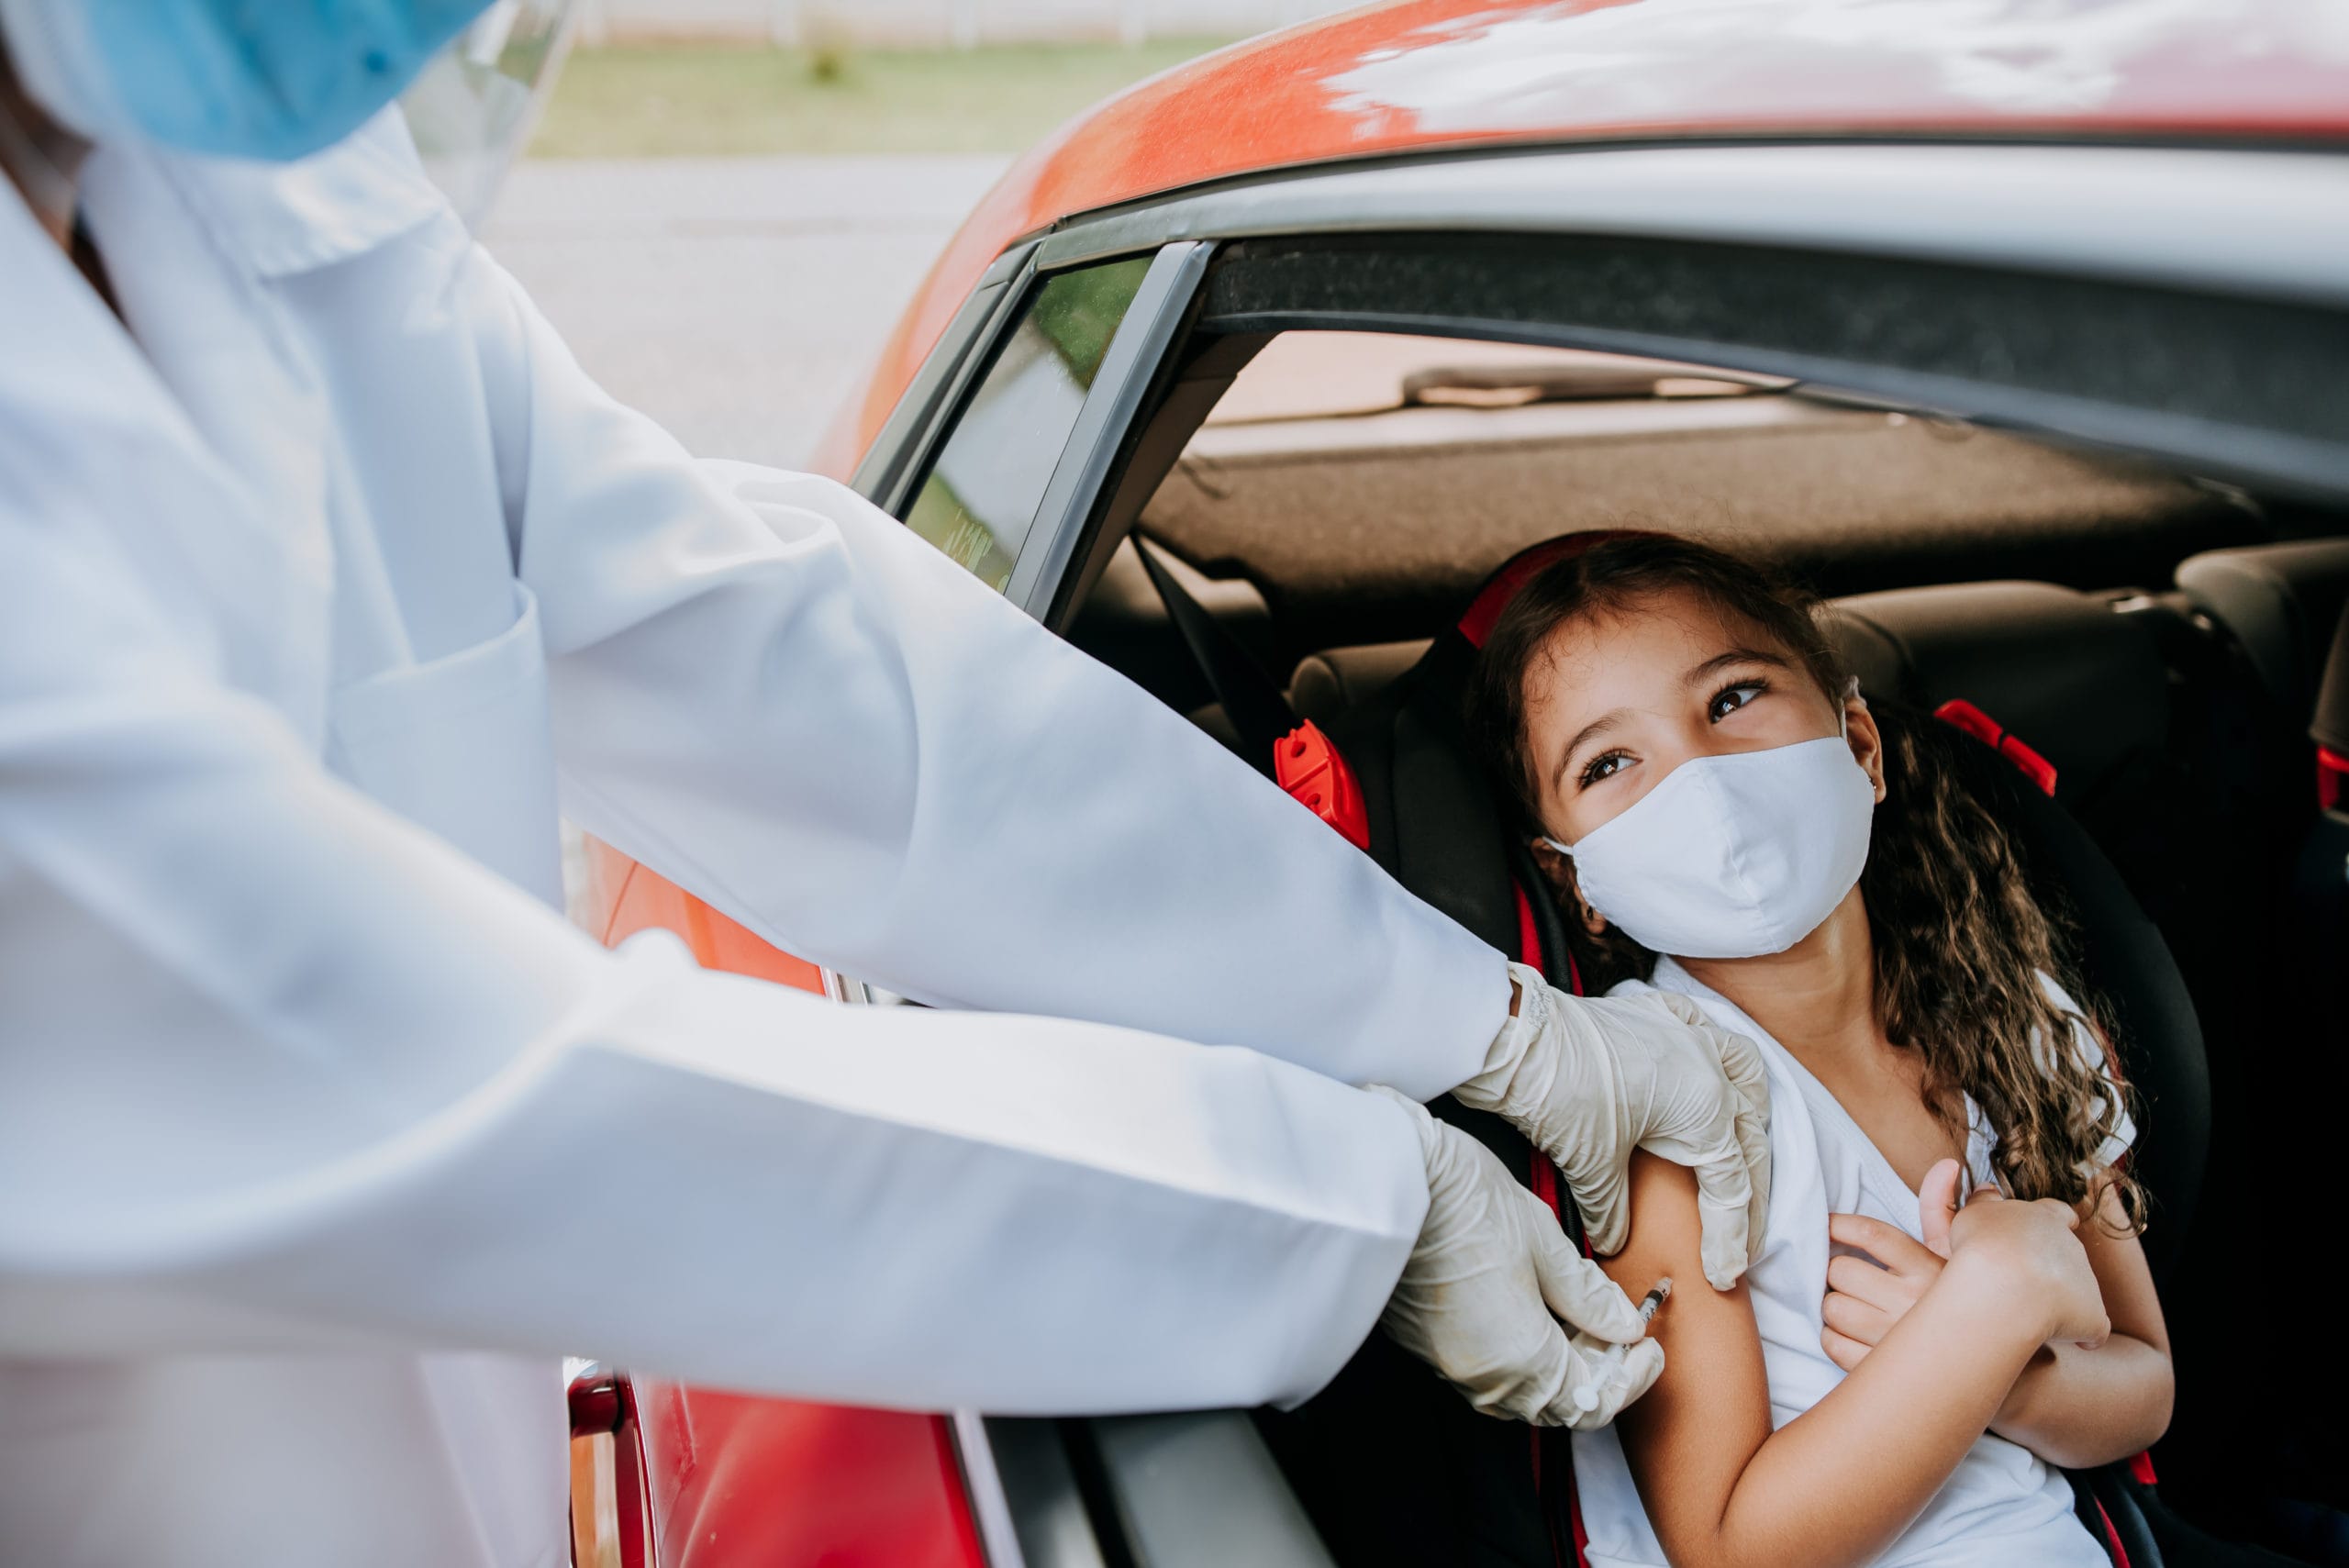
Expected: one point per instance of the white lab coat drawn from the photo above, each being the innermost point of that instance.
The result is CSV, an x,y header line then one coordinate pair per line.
x,y
321,1132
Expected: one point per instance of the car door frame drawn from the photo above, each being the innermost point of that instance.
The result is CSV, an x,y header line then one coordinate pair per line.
x,y
900,458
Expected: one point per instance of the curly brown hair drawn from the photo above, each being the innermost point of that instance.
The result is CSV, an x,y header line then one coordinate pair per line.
x,y
1960,941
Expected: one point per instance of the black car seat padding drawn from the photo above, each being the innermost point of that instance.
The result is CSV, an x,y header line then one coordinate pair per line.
x,y
2280,600
2126,966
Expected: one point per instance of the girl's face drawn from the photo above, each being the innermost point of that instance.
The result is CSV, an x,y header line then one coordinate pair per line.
x,y
1613,704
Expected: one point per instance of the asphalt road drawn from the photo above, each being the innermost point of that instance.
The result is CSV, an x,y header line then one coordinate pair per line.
x,y
738,301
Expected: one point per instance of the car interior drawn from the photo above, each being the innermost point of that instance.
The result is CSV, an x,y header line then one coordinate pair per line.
x,y
1306,530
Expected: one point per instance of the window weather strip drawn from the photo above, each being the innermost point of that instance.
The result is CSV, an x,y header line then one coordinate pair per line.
x,y
1131,367
885,474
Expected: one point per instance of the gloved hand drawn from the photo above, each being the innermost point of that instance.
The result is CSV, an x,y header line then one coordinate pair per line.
x,y
1472,1299
1588,1079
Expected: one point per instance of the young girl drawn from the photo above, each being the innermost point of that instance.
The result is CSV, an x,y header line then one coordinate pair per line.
x,y
1903,1368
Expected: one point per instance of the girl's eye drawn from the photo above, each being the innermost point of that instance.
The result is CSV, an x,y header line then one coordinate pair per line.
x,y
1603,766
1729,699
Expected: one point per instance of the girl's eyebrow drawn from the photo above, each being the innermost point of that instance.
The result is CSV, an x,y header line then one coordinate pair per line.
x,y
1700,673
1590,731
1697,676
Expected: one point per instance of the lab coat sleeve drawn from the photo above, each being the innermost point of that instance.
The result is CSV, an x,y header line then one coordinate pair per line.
x,y
773,694
513,1139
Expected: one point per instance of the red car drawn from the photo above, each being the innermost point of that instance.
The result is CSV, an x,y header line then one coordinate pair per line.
x,y
2021,326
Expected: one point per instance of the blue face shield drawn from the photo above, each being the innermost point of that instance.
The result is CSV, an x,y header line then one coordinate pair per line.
x,y
267,79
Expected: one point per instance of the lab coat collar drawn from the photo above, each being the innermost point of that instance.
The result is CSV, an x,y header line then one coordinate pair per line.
x,y
279,219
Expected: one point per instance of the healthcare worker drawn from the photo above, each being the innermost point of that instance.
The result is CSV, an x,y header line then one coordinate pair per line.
x,y
325,574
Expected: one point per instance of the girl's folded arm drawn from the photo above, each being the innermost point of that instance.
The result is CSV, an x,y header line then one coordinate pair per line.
x,y
1839,1483
2079,1408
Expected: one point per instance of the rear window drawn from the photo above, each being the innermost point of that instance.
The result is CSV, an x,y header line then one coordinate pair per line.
x,y
981,496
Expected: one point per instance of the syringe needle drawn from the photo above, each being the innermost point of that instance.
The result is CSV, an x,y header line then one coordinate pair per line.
x,y
1608,1361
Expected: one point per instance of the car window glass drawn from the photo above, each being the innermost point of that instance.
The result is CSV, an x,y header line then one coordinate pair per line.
x,y
981,496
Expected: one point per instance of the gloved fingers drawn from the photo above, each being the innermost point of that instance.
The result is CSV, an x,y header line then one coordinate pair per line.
x,y
1753,1147
1740,1057
1601,1194
1684,1009
1575,1289
1608,1389
1724,1198
1742,1061
1746,1108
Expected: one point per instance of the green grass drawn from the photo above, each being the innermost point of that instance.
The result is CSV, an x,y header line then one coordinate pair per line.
x,y
714,99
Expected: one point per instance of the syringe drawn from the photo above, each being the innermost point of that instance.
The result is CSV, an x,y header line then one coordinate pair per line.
x,y
1608,1361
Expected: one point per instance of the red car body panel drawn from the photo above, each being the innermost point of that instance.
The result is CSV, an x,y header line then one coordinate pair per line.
x,y
738,1480
628,899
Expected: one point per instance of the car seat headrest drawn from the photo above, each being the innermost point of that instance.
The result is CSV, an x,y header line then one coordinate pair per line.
x,y
2081,683
2280,600
1339,679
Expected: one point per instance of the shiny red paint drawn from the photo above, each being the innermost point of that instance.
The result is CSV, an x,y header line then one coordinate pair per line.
x,y
735,1479
1422,75
628,898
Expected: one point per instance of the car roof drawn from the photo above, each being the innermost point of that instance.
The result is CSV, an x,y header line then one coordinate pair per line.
x,y
1421,77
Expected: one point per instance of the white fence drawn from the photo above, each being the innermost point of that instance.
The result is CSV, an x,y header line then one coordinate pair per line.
x,y
965,24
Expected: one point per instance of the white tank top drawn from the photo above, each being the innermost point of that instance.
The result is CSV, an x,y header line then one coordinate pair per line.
x,y
2002,1506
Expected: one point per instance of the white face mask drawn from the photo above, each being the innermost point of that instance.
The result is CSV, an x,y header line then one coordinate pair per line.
x,y
1732,856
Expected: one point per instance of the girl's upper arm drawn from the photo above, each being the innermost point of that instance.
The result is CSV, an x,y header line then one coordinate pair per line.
x,y
2121,1273
1690,1438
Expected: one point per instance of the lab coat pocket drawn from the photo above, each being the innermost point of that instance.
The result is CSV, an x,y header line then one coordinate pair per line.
x,y
462,746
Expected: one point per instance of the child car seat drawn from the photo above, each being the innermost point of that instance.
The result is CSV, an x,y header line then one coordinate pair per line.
x,y
1392,1465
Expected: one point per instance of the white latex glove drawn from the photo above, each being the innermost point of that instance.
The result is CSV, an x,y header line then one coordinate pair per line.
x,y
1588,1079
1477,1299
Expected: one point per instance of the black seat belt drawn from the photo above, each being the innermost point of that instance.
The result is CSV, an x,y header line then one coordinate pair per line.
x,y
1250,699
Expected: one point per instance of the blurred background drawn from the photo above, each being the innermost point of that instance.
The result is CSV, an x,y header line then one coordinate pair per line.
x,y
727,202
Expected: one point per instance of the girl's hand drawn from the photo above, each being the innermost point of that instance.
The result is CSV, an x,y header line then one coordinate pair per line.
x,y
1865,1301
2035,1248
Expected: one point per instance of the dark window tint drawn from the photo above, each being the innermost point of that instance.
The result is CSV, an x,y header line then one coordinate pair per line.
x,y
982,490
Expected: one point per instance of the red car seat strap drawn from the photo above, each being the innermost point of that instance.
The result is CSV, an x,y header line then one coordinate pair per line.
x,y
2332,779
1963,715
1317,777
